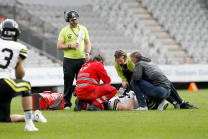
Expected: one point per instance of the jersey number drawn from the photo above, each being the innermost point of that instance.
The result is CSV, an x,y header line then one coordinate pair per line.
x,y
7,58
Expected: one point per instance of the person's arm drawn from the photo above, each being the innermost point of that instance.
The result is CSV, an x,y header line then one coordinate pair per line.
x,y
130,106
138,71
19,69
62,46
125,83
88,48
103,74
119,71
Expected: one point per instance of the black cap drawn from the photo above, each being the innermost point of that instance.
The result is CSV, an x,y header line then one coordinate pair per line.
x,y
73,15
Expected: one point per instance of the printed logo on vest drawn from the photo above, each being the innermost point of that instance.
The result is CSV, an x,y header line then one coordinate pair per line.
x,y
85,67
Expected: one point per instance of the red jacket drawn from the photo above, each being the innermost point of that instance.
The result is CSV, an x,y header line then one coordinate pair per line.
x,y
89,77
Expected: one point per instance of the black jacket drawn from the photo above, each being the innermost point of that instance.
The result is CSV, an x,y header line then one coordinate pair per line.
x,y
148,71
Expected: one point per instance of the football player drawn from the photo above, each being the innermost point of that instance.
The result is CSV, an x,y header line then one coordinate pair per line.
x,y
126,101
12,55
129,102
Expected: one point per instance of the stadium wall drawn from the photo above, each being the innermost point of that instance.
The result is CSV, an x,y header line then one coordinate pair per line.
x,y
180,75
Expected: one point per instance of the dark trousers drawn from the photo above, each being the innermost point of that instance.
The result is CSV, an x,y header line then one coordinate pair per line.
x,y
10,88
71,68
174,96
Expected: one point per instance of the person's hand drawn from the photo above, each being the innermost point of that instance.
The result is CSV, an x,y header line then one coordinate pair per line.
x,y
125,84
131,94
87,56
75,45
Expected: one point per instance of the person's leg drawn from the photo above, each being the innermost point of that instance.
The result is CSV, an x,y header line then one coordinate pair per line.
x,y
79,66
17,87
173,102
17,118
152,92
139,93
5,102
80,62
27,107
103,94
4,109
174,94
180,103
69,69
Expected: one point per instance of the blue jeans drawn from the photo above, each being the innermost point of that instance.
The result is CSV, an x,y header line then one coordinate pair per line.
x,y
144,88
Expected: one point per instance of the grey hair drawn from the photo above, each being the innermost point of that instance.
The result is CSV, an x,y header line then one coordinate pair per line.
x,y
135,55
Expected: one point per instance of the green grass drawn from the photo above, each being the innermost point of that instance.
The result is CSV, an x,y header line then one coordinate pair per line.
x,y
170,123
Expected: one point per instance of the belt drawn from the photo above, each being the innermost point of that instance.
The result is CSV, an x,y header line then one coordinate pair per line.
x,y
166,87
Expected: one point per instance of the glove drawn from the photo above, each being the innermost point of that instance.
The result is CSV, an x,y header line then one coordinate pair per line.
x,y
131,94
121,91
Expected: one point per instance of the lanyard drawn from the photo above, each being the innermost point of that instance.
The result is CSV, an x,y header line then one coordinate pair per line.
x,y
73,31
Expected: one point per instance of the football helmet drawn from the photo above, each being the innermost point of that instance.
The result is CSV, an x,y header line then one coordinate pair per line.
x,y
9,30
113,103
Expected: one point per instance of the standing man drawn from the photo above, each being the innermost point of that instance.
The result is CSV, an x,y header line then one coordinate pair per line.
x,y
74,53
148,80
12,55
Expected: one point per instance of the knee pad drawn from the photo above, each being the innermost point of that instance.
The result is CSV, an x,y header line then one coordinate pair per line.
x,y
26,93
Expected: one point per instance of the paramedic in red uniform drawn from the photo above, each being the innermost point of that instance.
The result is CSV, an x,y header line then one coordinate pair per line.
x,y
88,87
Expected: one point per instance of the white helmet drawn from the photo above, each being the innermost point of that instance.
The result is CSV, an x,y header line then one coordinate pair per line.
x,y
113,103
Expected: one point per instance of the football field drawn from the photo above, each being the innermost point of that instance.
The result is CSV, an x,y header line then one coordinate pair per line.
x,y
153,124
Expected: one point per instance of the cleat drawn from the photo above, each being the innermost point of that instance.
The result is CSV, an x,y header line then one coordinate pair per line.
x,y
163,105
30,127
38,117
93,107
78,105
186,105
141,108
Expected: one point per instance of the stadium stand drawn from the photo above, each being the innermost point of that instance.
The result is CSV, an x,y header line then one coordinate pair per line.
x,y
38,58
186,23
163,30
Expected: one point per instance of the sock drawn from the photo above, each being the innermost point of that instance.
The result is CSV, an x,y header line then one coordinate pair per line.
x,y
171,100
32,117
182,102
28,116
174,103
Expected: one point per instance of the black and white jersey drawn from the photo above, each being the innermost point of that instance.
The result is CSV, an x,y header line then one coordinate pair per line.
x,y
113,102
9,53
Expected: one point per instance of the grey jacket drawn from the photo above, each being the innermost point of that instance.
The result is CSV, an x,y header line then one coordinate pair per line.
x,y
148,71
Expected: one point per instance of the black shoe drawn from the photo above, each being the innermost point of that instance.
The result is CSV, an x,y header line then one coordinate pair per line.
x,y
176,106
186,105
93,107
78,105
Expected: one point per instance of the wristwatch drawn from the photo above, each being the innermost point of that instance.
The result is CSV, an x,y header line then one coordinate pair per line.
x,y
89,53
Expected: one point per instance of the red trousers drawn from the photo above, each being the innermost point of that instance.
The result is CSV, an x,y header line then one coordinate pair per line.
x,y
100,94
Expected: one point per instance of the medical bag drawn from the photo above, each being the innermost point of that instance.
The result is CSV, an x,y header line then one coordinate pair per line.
x,y
48,101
